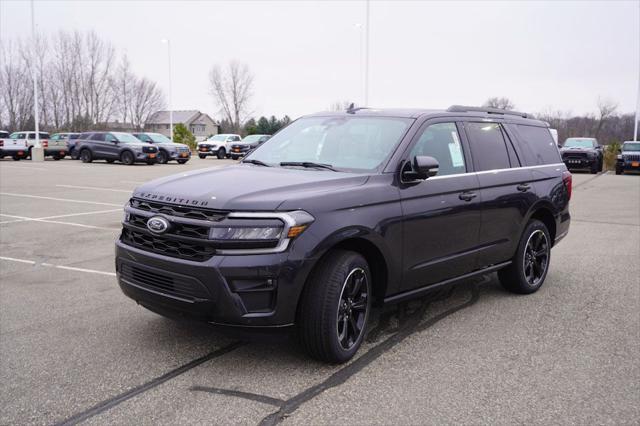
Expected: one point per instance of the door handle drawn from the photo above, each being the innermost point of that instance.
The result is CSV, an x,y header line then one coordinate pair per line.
x,y
524,187
467,196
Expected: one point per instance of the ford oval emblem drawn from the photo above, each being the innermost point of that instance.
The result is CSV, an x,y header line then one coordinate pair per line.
x,y
158,224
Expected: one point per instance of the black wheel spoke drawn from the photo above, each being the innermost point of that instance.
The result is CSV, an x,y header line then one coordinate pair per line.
x,y
352,308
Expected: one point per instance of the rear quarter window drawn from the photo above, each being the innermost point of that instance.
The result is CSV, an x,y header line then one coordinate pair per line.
x,y
537,145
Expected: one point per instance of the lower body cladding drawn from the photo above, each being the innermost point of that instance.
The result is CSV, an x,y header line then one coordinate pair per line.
x,y
246,291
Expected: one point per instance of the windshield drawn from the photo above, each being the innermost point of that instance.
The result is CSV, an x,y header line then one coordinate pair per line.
x,y
158,138
631,146
218,138
251,138
126,137
143,137
580,143
347,143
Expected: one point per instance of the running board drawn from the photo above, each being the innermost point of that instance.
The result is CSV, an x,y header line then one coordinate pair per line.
x,y
428,288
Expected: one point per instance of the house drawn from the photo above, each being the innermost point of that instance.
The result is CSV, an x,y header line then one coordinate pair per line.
x,y
198,123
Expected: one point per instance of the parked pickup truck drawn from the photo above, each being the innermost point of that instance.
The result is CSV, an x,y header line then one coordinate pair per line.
x,y
10,147
218,145
629,158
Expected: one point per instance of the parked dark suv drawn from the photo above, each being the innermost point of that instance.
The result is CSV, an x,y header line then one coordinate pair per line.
x,y
582,153
341,210
113,146
629,158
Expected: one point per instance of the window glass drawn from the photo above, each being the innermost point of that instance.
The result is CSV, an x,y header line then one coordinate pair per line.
x,y
42,135
86,135
14,136
580,143
97,137
442,142
110,138
488,146
538,144
347,143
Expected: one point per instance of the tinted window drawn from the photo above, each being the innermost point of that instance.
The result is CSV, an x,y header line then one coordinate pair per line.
x,y
74,136
84,136
42,135
538,145
97,137
488,146
441,141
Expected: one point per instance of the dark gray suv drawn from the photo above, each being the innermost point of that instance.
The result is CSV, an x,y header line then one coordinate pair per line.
x,y
340,210
115,146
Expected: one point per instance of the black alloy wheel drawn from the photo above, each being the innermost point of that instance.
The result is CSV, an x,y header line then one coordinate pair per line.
x,y
536,257
85,156
352,308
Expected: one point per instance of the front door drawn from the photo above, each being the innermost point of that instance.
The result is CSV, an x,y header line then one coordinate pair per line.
x,y
441,216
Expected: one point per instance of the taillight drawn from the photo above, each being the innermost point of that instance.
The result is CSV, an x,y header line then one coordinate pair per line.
x,y
568,182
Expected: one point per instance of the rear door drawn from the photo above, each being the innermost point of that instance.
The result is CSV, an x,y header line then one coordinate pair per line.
x,y
111,147
98,145
506,190
441,218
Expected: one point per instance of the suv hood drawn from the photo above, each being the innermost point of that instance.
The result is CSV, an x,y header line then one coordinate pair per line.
x,y
246,187
577,149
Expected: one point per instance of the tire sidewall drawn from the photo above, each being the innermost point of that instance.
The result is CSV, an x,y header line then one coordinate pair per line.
x,y
127,158
163,158
85,156
222,153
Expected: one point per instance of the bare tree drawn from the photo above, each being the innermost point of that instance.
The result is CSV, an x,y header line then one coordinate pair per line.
x,y
499,102
146,97
231,89
606,109
16,94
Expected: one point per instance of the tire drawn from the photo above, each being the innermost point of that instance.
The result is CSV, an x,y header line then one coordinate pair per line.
x,y
162,157
327,317
221,154
202,157
74,154
235,157
522,276
601,165
182,161
127,158
111,161
618,171
57,157
16,158
86,156
594,168
150,162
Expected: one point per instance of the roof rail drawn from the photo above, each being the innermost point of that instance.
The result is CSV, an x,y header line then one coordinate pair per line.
x,y
462,108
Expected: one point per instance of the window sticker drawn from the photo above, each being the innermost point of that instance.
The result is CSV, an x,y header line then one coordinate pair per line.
x,y
454,150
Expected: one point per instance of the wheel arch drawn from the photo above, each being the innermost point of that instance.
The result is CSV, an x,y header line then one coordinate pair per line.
x,y
544,212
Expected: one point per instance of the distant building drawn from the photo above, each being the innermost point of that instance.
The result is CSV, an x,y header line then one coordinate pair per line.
x,y
198,123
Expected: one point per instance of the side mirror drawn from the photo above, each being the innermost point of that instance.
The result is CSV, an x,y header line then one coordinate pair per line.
x,y
420,168
559,146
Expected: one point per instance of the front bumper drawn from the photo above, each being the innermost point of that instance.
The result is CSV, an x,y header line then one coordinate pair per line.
x,y
52,152
240,290
180,155
628,166
579,163
150,157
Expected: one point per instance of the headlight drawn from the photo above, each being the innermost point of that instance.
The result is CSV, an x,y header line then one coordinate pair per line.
x,y
257,232
619,157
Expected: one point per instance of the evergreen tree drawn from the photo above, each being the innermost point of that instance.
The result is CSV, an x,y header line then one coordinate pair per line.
x,y
182,135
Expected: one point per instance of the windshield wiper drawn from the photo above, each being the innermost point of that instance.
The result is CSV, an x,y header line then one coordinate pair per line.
x,y
256,162
308,164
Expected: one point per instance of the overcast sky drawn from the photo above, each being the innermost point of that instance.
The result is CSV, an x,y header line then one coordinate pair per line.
x,y
305,55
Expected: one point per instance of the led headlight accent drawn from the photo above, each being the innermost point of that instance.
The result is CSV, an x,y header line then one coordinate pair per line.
x,y
247,232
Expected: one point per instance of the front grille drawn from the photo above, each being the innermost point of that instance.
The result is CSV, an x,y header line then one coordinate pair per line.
x,y
575,155
149,149
187,212
180,229
168,247
186,288
631,157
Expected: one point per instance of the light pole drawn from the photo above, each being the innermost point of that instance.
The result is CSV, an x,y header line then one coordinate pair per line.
x,y
360,28
168,42
366,58
37,153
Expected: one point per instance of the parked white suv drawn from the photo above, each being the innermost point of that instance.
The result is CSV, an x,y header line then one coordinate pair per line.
x,y
12,147
217,145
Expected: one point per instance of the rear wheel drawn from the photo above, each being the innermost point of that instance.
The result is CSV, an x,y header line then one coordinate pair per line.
x,y
162,157
221,154
334,308
85,156
127,158
530,265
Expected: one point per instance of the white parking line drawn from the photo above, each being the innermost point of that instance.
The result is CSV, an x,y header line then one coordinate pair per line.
x,y
49,265
128,191
60,199
137,182
26,219
57,222
40,169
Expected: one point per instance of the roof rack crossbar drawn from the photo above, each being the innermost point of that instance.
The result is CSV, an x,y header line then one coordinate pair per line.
x,y
462,108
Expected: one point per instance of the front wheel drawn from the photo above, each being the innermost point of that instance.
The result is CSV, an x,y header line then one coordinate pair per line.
x,y
594,168
529,266
334,308
221,154
202,157
85,156
162,157
618,170
182,161
127,158
16,158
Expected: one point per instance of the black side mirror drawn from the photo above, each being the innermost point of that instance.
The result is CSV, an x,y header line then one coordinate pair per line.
x,y
420,168
559,146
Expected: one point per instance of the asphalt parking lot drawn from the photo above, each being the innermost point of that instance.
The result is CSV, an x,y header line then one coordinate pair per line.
x,y
73,349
